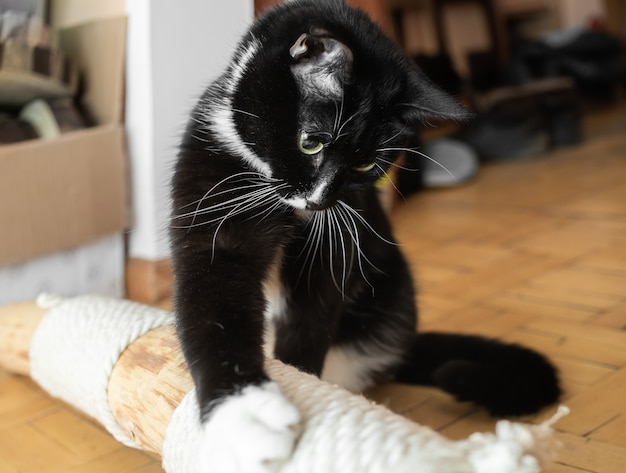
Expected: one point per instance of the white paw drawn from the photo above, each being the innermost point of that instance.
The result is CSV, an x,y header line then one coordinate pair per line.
x,y
251,432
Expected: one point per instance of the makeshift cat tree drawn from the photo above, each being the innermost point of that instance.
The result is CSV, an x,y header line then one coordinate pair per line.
x,y
119,362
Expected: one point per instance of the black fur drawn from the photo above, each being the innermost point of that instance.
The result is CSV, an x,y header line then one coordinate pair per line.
x,y
505,379
233,220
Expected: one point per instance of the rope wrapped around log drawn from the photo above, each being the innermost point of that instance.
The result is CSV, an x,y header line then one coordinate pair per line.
x,y
120,362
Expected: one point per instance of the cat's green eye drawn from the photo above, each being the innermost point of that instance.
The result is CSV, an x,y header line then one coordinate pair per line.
x,y
365,167
308,144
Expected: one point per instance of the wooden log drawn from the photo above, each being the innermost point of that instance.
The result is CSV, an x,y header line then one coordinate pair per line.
x,y
17,324
147,383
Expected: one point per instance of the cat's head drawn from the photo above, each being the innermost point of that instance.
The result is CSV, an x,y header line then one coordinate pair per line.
x,y
321,99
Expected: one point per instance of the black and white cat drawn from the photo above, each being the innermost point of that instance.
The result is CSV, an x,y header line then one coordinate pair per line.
x,y
279,240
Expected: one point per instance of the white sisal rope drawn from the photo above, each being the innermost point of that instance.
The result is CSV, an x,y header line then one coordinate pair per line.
x,y
78,342
182,437
344,433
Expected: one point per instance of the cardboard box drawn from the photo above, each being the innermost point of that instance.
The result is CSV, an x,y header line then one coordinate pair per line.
x,y
69,191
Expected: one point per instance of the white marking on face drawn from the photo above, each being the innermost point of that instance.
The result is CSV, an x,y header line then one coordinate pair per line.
x,y
219,112
240,65
318,192
301,203
295,202
222,123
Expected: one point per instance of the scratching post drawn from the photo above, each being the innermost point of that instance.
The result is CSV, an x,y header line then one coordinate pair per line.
x,y
120,363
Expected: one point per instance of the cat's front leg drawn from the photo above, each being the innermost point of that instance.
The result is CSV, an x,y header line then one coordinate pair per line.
x,y
248,425
307,327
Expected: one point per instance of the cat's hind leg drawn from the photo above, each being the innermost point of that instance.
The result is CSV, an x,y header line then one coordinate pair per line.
x,y
376,341
355,369
374,334
377,323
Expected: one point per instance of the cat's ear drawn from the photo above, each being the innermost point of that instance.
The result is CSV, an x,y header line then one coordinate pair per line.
x,y
321,63
425,101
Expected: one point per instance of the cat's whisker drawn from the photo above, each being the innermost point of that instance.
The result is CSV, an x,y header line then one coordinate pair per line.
x,y
219,205
394,136
255,199
199,139
431,111
230,204
336,122
320,242
196,120
308,225
354,235
410,150
341,136
348,229
331,249
251,177
344,269
249,203
318,231
268,211
390,181
326,231
365,222
307,247
337,238
240,204
395,165
352,117
245,113
243,207
312,252
339,113
233,176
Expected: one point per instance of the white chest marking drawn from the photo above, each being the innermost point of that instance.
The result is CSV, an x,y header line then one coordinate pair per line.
x,y
275,304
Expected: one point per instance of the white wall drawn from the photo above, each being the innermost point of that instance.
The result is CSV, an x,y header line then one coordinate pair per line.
x,y
174,50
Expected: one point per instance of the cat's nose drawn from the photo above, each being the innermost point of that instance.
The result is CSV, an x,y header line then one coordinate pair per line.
x,y
316,199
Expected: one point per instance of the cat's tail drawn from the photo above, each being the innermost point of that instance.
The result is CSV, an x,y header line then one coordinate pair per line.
x,y
505,379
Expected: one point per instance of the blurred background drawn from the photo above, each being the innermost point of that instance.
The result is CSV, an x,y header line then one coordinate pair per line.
x,y
93,96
